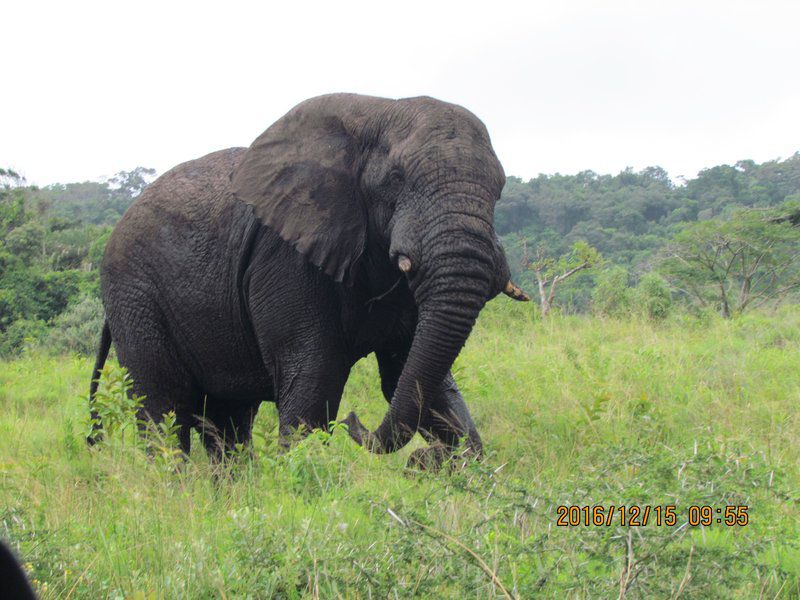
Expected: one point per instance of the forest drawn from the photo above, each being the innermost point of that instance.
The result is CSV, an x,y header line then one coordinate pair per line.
x,y
634,241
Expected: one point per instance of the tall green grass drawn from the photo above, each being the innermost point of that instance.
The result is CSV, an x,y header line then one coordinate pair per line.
x,y
573,410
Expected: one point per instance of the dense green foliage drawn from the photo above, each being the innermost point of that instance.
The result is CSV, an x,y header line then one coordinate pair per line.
x,y
52,240
573,410
51,244
747,260
92,202
630,216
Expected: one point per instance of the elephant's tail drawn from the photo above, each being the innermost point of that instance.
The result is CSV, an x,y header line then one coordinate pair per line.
x,y
102,354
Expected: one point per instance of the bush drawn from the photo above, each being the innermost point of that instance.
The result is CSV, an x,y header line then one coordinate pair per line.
x,y
116,406
98,247
7,308
611,295
21,334
26,241
653,298
78,328
56,290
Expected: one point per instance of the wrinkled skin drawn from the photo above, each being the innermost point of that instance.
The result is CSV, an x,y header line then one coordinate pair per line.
x,y
352,225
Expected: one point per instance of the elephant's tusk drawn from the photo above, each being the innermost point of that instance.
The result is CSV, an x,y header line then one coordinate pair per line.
x,y
513,291
404,263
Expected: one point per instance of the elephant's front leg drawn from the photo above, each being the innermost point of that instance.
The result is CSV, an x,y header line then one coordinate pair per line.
x,y
297,328
447,419
450,420
309,390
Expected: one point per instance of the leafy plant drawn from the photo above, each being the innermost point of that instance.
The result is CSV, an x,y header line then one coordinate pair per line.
x,y
114,403
653,297
550,271
595,408
746,261
22,334
163,443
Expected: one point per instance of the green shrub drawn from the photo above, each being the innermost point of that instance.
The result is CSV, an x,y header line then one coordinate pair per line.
x,y
7,308
611,295
115,405
78,328
21,334
652,297
26,241
55,290
98,247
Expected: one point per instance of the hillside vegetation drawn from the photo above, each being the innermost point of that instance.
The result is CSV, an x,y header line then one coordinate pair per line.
x,y
627,216
630,216
573,411
52,239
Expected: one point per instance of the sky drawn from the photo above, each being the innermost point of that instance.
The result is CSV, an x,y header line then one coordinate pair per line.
x,y
90,89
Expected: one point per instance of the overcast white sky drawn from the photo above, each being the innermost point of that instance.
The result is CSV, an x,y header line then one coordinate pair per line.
x,y
90,89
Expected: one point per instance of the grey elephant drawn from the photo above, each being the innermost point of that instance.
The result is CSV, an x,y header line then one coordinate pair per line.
x,y
352,225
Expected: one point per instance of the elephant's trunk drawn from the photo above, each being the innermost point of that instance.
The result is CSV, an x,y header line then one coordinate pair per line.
x,y
450,291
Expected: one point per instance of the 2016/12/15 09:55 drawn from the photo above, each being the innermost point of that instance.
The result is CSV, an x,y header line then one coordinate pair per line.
x,y
641,516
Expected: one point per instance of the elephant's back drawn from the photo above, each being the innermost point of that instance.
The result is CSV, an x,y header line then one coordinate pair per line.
x,y
190,194
184,204
193,188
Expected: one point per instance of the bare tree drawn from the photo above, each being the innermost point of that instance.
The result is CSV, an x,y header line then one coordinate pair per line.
x,y
550,271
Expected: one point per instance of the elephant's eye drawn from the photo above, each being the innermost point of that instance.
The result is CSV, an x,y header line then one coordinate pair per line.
x,y
396,176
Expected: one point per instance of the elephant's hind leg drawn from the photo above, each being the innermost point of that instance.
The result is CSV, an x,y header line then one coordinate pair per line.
x,y
162,398
159,376
224,425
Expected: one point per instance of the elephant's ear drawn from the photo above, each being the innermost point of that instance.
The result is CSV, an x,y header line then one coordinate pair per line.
x,y
300,178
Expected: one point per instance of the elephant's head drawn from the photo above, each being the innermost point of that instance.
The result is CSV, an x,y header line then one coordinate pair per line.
x,y
416,178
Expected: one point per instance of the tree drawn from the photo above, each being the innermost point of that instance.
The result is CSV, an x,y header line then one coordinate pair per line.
x,y
744,262
12,201
43,261
791,214
101,203
611,296
26,241
550,271
132,183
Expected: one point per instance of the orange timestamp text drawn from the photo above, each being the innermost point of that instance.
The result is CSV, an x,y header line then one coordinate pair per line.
x,y
641,516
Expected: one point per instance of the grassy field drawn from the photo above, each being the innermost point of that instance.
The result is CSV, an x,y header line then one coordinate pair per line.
x,y
573,411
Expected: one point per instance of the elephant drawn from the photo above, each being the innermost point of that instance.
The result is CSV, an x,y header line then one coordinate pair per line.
x,y
353,225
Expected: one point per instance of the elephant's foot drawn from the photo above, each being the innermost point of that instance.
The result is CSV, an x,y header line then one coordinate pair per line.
x,y
429,458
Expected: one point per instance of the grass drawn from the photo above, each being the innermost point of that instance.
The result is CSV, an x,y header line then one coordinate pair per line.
x,y
573,411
